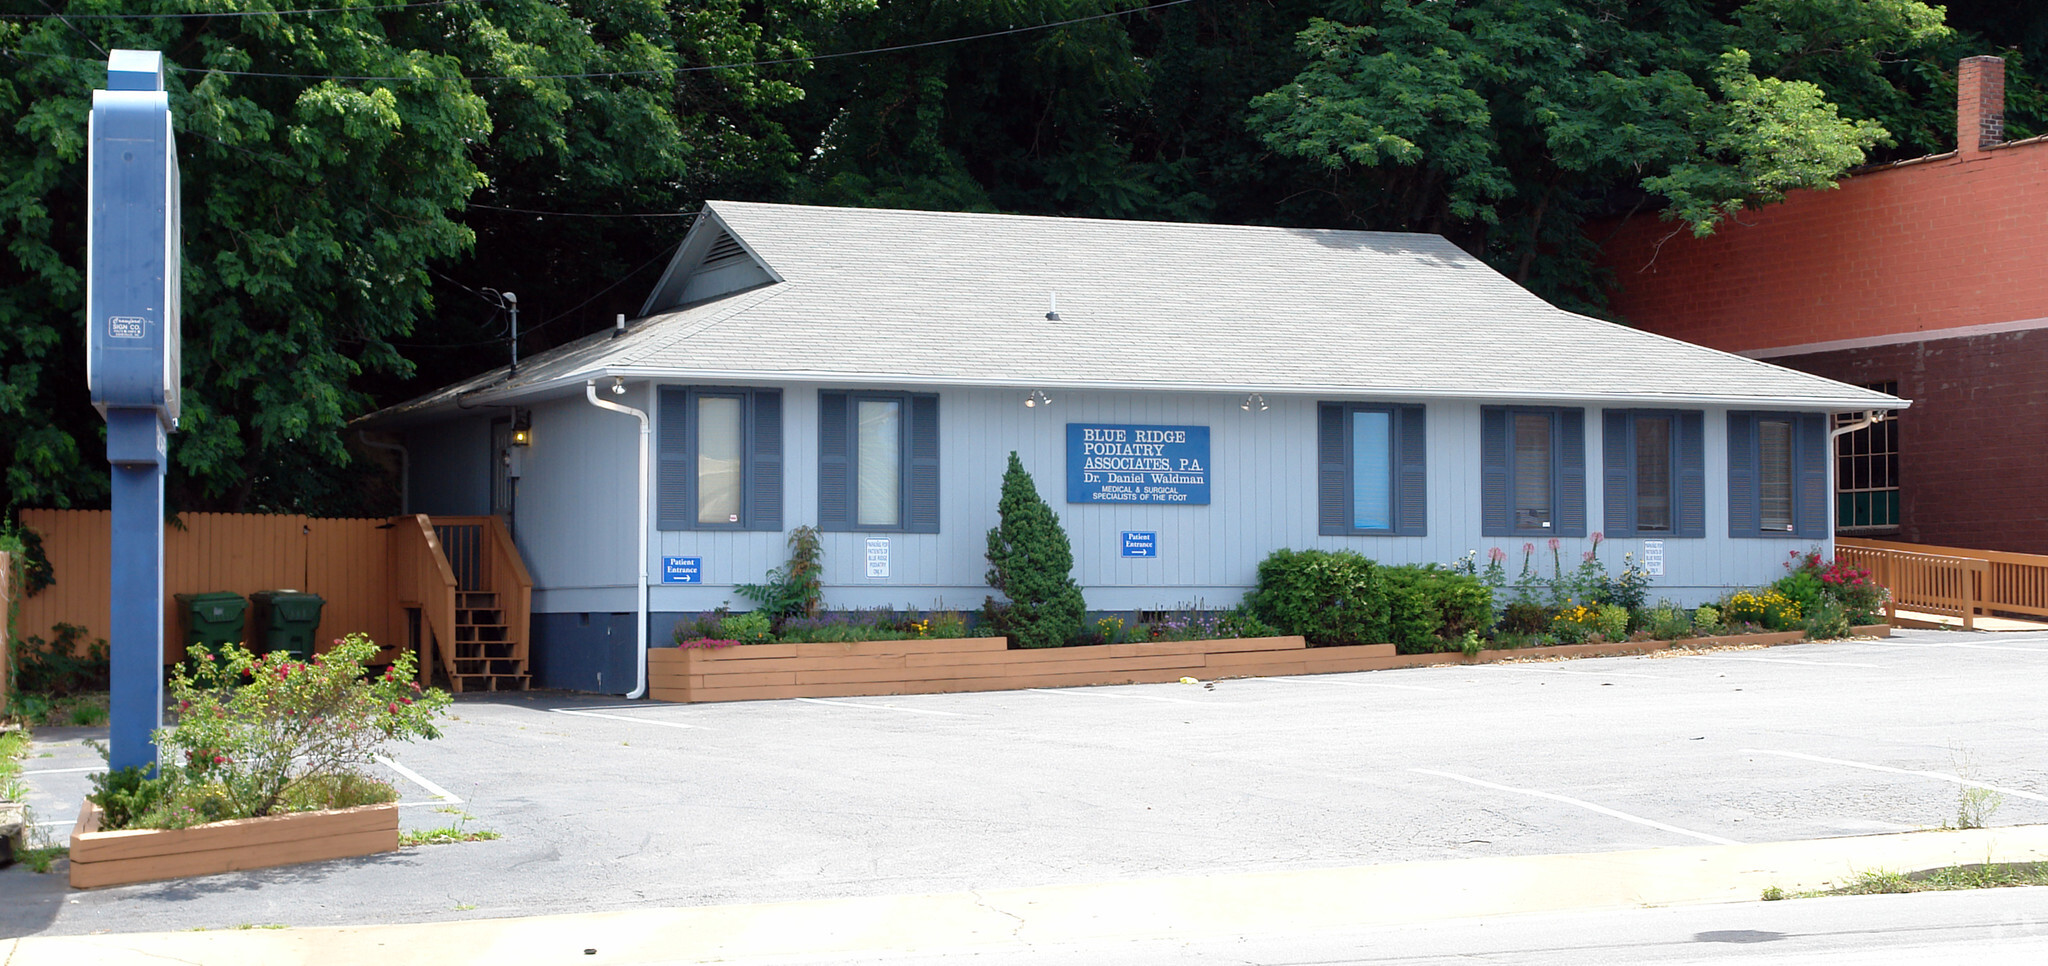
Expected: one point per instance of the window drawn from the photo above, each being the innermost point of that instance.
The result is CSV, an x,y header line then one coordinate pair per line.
x,y
1777,475
1371,476
718,459
1653,481
1532,471
1867,472
878,461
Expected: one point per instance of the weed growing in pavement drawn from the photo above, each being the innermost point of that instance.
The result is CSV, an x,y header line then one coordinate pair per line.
x,y
1774,894
1975,804
1986,876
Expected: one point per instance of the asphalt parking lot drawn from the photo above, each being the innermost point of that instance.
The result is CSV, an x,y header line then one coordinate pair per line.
x,y
604,804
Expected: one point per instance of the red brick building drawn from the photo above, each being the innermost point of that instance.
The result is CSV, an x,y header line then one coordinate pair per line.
x,y
1927,278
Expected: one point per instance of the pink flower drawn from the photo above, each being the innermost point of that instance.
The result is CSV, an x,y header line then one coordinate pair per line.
x,y
1587,556
220,759
1597,537
1496,555
1528,548
1553,543
394,707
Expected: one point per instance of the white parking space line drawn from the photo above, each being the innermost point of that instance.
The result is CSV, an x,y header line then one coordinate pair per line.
x,y
1939,776
1560,670
440,794
1125,695
62,771
619,717
1568,800
1791,660
883,707
2043,652
1355,684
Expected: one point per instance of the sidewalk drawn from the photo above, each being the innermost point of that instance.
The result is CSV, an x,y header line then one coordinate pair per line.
x,y
1162,908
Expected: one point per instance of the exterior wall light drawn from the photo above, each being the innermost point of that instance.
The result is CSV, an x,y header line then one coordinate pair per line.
x,y
1036,399
522,428
1254,402
618,385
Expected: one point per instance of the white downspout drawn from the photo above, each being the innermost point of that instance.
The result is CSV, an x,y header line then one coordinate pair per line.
x,y
1870,417
640,625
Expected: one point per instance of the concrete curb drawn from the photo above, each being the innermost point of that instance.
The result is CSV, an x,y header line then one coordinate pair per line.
x,y
1137,909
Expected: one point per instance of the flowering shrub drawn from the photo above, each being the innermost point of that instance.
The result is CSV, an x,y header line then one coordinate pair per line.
x,y
1811,579
706,643
1770,609
1575,624
259,735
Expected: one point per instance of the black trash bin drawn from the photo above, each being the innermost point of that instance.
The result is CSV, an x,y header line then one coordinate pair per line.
x,y
211,619
284,620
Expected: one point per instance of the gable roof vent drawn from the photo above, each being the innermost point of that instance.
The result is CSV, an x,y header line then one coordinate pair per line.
x,y
724,249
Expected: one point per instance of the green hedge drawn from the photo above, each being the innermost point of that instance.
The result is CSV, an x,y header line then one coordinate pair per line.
x,y
1341,597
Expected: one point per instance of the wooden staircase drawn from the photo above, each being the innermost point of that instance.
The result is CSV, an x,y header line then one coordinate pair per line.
x,y
463,578
486,657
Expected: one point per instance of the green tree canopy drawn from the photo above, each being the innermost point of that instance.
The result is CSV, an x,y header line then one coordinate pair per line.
x,y
328,162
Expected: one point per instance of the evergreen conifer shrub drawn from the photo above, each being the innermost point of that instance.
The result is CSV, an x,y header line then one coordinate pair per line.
x,y
1031,563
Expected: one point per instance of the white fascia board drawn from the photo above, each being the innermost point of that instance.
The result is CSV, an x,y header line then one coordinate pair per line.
x,y
1412,393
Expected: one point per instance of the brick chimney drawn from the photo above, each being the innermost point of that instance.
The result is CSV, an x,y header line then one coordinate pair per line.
x,y
1980,105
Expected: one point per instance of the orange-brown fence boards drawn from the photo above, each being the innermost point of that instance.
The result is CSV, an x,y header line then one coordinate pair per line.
x,y
6,602
345,565
78,545
344,561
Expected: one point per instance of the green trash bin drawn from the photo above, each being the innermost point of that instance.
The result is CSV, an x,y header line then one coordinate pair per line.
x,y
211,619
284,620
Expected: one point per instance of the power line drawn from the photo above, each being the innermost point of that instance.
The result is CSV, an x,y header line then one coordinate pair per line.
x,y
662,71
670,71
589,214
229,13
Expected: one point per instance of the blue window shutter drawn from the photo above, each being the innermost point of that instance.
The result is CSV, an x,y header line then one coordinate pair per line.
x,y
835,455
1689,510
672,503
1333,477
1810,476
1411,483
1743,513
764,460
1494,519
1571,472
1618,473
922,477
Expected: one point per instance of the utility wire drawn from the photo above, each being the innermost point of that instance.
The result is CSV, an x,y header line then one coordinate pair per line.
x,y
589,214
660,71
229,13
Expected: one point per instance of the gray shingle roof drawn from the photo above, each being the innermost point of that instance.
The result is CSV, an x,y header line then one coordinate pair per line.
x,y
873,296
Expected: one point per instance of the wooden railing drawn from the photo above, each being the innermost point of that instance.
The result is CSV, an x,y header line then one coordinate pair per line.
x,y
513,585
2013,583
1931,583
481,557
422,579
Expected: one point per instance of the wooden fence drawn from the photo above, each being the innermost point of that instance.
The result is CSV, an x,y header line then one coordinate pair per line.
x,y
1931,583
6,644
2012,583
344,561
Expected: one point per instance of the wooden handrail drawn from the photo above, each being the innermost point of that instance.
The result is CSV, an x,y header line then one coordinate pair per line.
x,y
1929,582
2016,583
422,576
514,586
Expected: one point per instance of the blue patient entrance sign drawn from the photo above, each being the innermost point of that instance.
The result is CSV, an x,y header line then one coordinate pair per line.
x,y
1111,463
682,570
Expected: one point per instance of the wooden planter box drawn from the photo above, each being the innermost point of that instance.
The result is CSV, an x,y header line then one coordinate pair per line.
x,y
146,855
762,671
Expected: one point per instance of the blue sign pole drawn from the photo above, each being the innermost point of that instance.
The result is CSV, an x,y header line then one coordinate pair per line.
x,y
132,297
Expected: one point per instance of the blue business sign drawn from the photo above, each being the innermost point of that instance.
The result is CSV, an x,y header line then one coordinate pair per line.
x,y
682,570
1137,464
1141,543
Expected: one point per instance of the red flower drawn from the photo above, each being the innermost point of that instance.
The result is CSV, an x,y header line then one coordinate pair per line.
x,y
220,759
394,707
